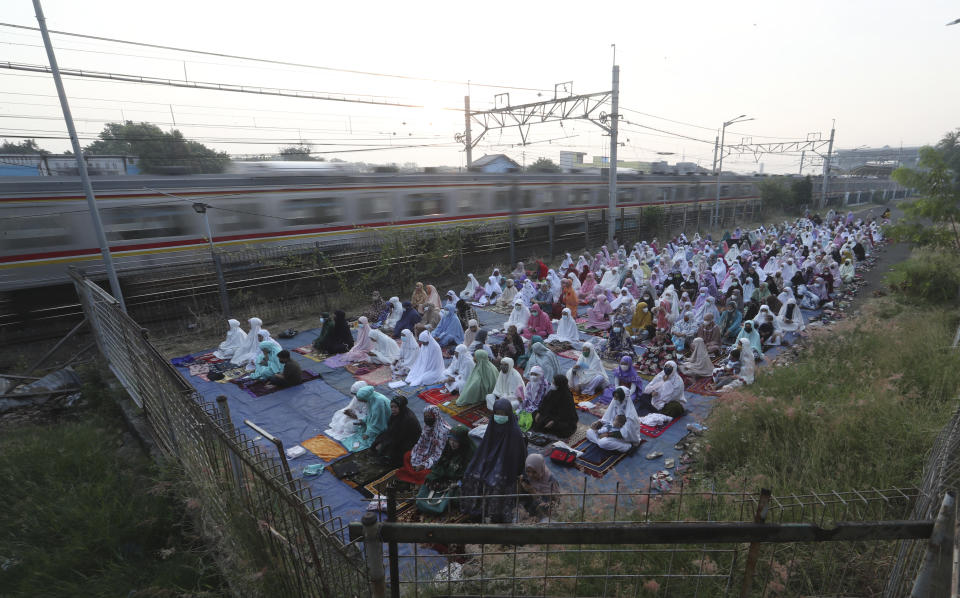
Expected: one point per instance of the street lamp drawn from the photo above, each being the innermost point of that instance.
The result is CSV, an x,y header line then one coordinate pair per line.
x,y
201,208
723,132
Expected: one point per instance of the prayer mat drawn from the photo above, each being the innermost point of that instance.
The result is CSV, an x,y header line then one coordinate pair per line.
x,y
580,398
580,321
323,447
359,469
259,388
337,361
437,396
200,370
405,490
228,374
377,376
559,347
654,432
360,368
596,410
570,354
310,353
704,387
596,461
451,408
471,416
207,358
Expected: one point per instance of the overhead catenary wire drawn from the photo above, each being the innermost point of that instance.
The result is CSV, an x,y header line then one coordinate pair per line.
x,y
271,61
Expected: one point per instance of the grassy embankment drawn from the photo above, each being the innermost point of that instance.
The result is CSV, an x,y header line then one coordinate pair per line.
x,y
87,513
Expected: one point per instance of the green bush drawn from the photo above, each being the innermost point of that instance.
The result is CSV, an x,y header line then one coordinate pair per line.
x,y
928,276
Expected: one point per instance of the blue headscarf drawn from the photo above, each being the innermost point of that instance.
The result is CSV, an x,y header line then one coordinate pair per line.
x,y
378,416
500,458
272,366
407,321
449,331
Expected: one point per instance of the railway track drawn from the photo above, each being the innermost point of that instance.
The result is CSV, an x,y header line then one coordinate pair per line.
x,y
46,314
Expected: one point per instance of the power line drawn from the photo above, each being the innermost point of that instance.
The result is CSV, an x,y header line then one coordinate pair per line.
x,y
666,132
209,86
679,122
269,61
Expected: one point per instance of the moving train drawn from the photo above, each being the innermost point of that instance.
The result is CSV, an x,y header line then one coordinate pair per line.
x,y
151,222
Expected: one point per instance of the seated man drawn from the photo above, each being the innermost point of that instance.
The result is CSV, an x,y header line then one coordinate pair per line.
x,y
710,333
291,374
619,428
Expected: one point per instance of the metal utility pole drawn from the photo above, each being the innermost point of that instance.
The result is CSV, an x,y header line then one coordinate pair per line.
x,y
826,169
723,135
614,117
81,163
802,156
468,141
716,147
201,208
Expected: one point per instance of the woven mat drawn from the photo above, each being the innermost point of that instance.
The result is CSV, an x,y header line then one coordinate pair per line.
x,y
377,376
654,432
474,416
581,398
453,409
323,447
405,490
310,353
261,388
360,469
596,461
704,387
360,368
437,396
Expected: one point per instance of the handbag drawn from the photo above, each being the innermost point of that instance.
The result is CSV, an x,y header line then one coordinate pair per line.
x,y
435,502
562,456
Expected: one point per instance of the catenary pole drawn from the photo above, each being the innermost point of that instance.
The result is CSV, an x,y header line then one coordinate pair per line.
x,y
826,170
81,163
468,141
614,118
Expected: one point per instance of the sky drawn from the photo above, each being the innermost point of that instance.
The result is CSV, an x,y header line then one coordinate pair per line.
x,y
882,71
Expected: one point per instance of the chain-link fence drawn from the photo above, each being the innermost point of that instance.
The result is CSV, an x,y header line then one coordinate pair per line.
x,y
274,536
942,475
625,542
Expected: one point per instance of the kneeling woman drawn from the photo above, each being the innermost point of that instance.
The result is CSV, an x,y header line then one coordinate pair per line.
x,y
495,468
402,433
425,453
373,424
619,428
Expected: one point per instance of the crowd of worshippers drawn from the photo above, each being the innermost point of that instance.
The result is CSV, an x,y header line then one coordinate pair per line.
x,y
691,307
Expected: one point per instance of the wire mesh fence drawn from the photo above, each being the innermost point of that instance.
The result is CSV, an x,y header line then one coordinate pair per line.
x,y
275,536
677,543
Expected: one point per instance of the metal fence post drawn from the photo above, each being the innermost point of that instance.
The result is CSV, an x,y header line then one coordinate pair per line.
x,y
224,410
373,548
392,552
586,230
754,553
936,572
551,224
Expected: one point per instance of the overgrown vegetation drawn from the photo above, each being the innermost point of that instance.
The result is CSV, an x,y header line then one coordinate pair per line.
x,y
158,151
786,195
938,180
930,277
86,513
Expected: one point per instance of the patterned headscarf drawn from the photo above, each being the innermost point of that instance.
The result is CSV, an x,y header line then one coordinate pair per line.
x,y
432,440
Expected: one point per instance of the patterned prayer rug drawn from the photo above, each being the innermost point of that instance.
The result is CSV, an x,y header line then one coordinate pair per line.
x,y
337,361
324,448
704,387
376,377
570,354
437,396
473,416
310,353
596,461
655,431
259,388
359,469
405,490
581,398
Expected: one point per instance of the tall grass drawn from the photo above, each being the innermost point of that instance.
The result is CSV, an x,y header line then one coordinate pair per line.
x,y
859,408
85,513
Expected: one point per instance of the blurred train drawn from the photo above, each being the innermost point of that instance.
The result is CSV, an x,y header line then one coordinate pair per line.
x,y
45,226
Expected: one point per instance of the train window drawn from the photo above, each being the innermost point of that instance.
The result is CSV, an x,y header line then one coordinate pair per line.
x,y
469,201
231,221
378,208
312,210
127,224
580,197
525,199
724,190
626,195
502,199
664,194
32,233
545,198
425,204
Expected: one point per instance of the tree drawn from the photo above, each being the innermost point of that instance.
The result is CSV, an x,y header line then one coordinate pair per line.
x,y
298,153
159,152
543,165
27,146
802,191
938,180
774,193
